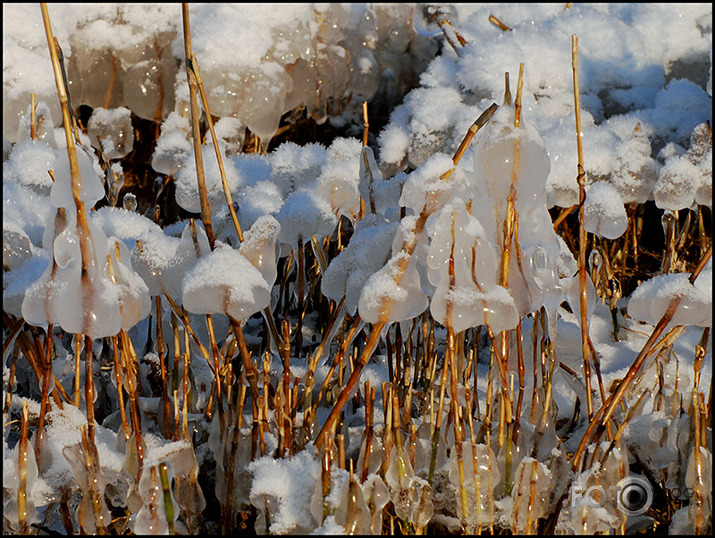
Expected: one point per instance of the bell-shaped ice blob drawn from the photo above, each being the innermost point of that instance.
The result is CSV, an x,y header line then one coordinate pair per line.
x,y
29,164
338,179
172,146
92,509
687,178
162,260
156,514
259,247
652,298
394,292
113,125
530,476
368,250
479,476
507,155
92,189
132,292
462,263
225,281
99,301
604,211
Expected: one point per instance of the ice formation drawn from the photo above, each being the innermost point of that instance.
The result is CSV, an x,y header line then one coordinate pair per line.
x,y
650,301
90,287
225,281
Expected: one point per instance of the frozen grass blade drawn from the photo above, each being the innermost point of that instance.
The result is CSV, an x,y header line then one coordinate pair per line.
x,y
168,502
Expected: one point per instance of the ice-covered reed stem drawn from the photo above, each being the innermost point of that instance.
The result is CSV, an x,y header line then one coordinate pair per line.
x,y
120,392
522,383
326,462
22,471
301,296
699,503
581,179
369,413
165,403
219,158
450,360
286,412
44,399
195,128
541,428
130,365
180,313
216,383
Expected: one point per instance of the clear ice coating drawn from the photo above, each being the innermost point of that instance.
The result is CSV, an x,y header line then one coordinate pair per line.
x,y
530,495
259,247
112,125
393,293
153,517
92,190
427,18
353,513
92,508
410,494
481,476
368,250
473,298
698,478
11,485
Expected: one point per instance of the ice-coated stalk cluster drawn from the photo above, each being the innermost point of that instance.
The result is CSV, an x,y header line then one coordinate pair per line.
x,y
458,217
89,287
